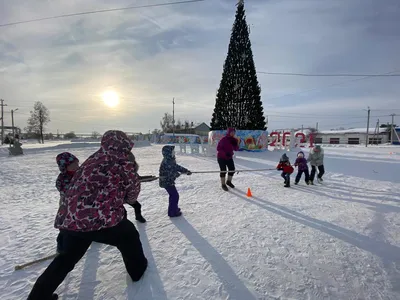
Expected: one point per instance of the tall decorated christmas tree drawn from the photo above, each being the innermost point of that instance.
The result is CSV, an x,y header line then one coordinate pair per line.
x,y
238,103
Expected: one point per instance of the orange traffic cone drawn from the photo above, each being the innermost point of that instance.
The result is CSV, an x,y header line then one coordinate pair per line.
x,y
249,194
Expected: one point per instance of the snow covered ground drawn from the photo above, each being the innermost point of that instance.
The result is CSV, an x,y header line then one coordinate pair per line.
x,y
338,240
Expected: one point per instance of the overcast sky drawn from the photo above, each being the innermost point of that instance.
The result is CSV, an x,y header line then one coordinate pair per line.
x,y
150,55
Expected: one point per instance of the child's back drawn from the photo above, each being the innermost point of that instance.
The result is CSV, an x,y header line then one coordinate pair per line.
x,y
169,171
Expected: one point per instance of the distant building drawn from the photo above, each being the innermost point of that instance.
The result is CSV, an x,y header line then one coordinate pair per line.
x,y
396,139
355,136
202,129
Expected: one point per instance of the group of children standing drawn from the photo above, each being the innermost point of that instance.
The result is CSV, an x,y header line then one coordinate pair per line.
x,y
315,158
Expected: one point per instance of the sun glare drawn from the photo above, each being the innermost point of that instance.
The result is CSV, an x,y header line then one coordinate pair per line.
x,y
110,98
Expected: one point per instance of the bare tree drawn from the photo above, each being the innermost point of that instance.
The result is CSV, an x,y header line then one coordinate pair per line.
x,y
187,125
156,131
49,136
166,122
179,125
95,135
40,117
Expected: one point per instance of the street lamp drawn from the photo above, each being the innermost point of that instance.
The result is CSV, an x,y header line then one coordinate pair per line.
x,y
12,120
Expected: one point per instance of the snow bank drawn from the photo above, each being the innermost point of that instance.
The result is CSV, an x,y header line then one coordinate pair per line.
x,y
139,144
30,148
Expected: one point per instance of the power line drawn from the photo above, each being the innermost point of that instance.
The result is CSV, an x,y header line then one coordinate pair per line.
x,y
334,117
100,11
327,86
327,75
319,115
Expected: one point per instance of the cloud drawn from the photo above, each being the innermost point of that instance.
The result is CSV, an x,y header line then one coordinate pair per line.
x,y
152,55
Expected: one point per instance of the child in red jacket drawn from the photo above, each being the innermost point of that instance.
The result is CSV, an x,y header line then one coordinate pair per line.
x,y
286,168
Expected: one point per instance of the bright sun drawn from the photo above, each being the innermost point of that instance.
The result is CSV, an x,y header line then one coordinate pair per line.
x,y
110,98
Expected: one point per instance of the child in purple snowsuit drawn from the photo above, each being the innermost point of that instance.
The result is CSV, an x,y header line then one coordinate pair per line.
x,y
302,167
169,171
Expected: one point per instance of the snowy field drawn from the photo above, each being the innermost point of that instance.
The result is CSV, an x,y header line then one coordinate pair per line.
x,y
338,240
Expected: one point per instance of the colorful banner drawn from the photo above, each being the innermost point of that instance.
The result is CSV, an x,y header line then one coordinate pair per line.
x,y
249,140
189,139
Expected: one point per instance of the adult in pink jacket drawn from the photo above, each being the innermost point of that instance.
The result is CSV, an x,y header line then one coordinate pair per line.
x,y
93,211
225,149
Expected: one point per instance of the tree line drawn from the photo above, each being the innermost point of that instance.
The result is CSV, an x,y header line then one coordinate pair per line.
x,y
40,118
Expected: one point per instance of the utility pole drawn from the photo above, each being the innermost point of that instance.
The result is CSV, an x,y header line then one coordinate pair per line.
x,y
301,128
316,127
173,118
366,138
12,121
392,129
2,120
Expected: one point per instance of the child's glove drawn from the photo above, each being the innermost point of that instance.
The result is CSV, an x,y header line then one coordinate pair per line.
x,y
188,173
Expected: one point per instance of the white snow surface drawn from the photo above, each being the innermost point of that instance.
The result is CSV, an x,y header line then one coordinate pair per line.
x,y
336,240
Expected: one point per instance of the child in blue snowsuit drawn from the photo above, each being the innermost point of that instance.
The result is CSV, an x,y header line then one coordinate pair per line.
x,y
169,171
68,164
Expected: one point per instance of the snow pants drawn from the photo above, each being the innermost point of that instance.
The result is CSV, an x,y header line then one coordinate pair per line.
x,y
286,176
300,173
60,242
226,164
321,172
124,236
173,200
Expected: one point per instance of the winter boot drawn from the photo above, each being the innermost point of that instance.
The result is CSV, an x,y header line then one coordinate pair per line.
x,y
311,182
308,182
319,179
287,183
223,184
177,214
296,183
54,296
229,182
138,212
